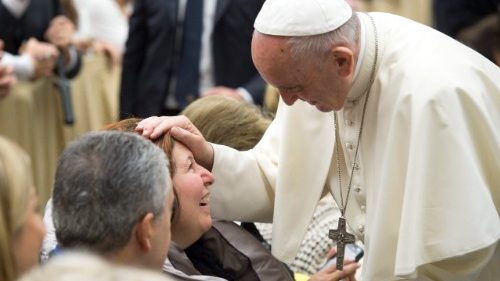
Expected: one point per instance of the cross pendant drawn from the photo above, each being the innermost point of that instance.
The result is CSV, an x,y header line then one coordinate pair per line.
x,y
342,237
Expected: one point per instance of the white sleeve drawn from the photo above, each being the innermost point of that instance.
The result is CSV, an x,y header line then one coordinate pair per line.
x,y
16,7
49,241
23,65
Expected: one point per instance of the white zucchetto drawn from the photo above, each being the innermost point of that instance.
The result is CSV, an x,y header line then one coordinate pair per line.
x,y
301,17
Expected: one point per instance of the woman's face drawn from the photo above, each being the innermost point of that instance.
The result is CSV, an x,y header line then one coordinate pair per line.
x,y
28,239
191,182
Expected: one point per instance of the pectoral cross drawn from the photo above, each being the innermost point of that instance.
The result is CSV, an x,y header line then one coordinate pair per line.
x,y
342,238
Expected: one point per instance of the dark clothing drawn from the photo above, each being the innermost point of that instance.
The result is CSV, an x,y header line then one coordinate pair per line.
x,y
33,23
150,55
228,251
451,16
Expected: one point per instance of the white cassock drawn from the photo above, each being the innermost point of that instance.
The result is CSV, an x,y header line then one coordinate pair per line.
x,y
426,194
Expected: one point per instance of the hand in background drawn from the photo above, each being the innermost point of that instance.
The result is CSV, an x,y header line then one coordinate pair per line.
x,y
43,55
223,91
7,77
60,32
83,44
112,53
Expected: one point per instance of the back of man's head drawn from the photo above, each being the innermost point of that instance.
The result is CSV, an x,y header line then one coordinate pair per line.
x,y
107,182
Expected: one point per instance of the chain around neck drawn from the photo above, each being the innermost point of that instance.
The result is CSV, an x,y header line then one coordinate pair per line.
x,y
343,206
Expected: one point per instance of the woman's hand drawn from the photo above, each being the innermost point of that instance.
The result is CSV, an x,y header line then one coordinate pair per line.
x,y
60,32
43,55
7,77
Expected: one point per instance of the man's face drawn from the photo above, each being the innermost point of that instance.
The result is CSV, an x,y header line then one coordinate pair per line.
x,y
314,82
161,239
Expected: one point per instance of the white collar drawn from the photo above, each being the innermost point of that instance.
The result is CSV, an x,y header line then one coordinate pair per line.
x,y
364,65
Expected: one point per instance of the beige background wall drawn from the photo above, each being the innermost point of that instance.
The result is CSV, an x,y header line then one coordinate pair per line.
x,y
418,10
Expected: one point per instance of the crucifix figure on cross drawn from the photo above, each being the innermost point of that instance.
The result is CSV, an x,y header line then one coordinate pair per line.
x,y
341,237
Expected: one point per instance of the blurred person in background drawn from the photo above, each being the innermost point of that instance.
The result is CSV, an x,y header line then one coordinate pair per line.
x,y
476,23
180,50
21,227
35,34
101,25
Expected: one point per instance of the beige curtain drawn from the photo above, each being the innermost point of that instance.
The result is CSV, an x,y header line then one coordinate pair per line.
x,y
418,10
94,95
32,116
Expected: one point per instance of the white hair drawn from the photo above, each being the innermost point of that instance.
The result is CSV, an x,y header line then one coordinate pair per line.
x,y
82,266
105,182
316,47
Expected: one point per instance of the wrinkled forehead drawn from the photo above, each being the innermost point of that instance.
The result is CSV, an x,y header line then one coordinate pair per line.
x,y
269,48
179,149
273,59
180,153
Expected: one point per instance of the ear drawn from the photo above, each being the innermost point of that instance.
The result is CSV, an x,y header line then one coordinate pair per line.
x,y
144,232
344,61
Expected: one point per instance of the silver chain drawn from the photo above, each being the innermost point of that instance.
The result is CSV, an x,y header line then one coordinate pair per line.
x,y
343,206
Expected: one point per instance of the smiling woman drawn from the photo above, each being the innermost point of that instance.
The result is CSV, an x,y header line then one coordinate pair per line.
x,y
215,250
21,227
191,182
218,250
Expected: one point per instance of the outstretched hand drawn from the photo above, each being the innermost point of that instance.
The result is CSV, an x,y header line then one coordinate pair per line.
x,y
7,79
330,273
7,76
180,128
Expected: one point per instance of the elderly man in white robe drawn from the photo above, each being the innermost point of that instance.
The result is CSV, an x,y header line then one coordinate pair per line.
x,y
400,123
